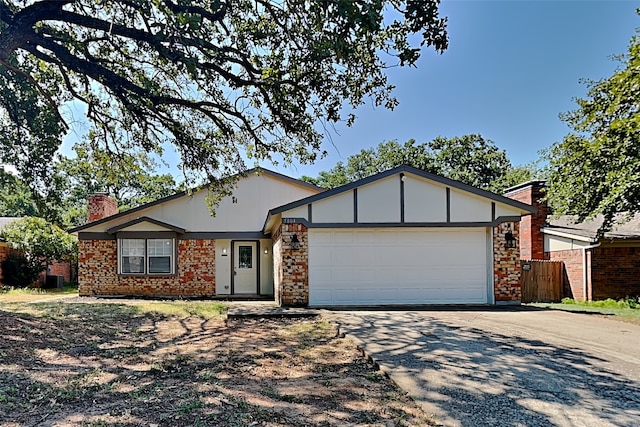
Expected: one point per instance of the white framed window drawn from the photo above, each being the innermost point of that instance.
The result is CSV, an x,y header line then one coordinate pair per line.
x,y
146,256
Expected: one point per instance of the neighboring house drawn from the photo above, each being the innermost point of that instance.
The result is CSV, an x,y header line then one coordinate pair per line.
x,y
63,269
5,248
595,268
403,236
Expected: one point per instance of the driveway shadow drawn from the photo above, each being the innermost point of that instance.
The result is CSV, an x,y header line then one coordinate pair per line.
x,y
467,376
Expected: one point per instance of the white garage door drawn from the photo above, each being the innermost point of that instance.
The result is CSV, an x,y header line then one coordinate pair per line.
x,y
392,266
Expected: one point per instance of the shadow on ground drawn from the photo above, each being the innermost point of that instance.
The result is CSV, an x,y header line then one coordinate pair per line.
x,y
467,376
112,364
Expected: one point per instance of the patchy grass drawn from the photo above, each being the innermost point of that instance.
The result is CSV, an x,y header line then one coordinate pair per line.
x,y
36,294
626,310
180,363
184,309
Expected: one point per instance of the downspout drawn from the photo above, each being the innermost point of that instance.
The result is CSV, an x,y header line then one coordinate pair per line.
x,y
585,276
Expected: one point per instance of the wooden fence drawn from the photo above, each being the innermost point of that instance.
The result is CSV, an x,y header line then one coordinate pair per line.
x,y
542,281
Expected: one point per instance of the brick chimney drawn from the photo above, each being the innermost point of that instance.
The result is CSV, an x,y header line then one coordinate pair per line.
x,y
531,238
101,206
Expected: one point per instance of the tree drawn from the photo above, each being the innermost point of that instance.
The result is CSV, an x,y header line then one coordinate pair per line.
x,y
132,180
470,159
15,197
220,80
596,169
41,242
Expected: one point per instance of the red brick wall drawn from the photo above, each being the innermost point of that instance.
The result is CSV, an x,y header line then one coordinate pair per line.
x,y
291,267
5,250
101,206
531,238
574,276
61,269
615,272
98,271
506,265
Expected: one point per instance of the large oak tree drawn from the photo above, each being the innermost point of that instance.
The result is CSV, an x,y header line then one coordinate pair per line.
x,y
222,80
596,169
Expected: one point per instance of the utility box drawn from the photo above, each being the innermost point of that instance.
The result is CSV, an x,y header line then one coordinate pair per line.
x,y
54,282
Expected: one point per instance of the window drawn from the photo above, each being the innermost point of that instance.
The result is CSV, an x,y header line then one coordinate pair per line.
x,y
245,256
146,256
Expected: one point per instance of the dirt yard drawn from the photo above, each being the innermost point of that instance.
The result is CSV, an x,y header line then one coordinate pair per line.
x,y
180,364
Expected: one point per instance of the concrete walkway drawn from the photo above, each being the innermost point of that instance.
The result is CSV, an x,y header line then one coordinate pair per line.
x,y
506,367
266,309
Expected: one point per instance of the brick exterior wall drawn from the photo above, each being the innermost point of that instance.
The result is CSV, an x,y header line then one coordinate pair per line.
x,y
291,267
506,266
101,206
615,272
98,271
531,238
60,269
5,250
574,276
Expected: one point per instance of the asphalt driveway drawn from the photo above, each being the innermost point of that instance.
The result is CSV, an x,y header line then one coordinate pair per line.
x,y
507,366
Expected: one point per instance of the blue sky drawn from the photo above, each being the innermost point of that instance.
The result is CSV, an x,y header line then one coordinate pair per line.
x,y
512,66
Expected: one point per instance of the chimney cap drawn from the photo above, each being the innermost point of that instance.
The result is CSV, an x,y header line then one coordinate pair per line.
x,y
533,183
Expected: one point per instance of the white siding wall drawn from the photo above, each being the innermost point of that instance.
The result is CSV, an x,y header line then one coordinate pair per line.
x,y
424,201
223,267
245,210
144,226
380,201
266,267
504,210
299,212
557,243
467,208
338,208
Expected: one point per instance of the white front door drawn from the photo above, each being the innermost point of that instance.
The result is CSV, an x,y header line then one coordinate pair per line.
x,y
245,268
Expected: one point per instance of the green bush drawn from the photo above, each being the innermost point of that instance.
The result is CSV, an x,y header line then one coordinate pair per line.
x,y
19,272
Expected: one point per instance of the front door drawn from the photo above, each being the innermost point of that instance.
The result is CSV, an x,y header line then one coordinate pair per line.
x,y
245,268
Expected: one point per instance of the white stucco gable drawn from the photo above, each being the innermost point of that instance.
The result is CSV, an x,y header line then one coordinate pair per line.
x,y
243,211
403,196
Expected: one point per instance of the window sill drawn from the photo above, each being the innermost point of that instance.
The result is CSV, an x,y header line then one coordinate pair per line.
x,y
157,275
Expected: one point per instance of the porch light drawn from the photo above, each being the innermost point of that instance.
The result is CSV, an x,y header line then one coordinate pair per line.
x,y
224,251
510,240
295,243
266,251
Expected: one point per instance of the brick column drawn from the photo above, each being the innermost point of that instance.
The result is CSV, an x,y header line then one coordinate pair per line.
x,y
531,237
291,266
506,265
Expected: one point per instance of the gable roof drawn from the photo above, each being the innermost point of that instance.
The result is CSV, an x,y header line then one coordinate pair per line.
x,y
587,230
119,227
408,169
253,171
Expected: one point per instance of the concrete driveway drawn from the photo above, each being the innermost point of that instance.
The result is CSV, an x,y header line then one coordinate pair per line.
x,y
506,366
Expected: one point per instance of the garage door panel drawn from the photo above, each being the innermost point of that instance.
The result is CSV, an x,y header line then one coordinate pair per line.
x,y
408,266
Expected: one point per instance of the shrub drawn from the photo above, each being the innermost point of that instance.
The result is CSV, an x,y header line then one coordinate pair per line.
x,y
19,272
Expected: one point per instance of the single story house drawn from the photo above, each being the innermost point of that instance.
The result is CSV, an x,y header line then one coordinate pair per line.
x,y
595,267
403,236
